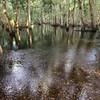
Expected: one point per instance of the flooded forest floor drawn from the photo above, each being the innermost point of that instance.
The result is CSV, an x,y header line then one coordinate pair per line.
x,y
69,70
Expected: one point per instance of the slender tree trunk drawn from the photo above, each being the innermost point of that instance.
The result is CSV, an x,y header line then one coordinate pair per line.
x,y
41,21
17,24
55,20
41,17
60,14
68,19
63,17
28,23
74,12
81,15
6,15
52,15
91,13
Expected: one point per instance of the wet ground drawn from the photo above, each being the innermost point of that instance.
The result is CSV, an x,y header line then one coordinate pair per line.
x,y
60,72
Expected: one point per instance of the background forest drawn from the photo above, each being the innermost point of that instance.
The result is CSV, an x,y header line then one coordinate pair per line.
x,y
50,11
16,15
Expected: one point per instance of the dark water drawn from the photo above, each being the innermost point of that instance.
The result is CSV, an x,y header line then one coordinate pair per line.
x,y
69,69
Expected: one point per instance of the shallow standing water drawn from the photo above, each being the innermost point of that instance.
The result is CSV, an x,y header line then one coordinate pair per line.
x,y
69,70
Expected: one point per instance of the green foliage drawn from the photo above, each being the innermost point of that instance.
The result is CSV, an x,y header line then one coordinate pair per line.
x,y
48,9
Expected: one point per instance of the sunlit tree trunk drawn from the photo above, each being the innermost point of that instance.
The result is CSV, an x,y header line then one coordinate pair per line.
x,y
1,50
91,12
28,23
80,10
17,24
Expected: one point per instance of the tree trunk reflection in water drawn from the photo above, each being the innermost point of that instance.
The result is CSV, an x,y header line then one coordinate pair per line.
x,y
64,69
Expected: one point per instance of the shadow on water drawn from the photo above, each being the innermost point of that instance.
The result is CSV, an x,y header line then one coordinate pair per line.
x,y
61,66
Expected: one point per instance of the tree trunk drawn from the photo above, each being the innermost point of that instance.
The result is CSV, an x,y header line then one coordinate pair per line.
x,y
60,15
6,15
68,19
91,13
80,10
55,20
8,27
74,11
17,24
28,23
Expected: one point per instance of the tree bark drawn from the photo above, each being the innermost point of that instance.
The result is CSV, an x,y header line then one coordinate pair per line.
x,y
74,11
80,10
60,7
17,24
28,23
6,15
91,13
68,19
8,28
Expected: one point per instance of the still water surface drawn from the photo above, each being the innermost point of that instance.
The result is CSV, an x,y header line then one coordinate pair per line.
x,y
67,70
